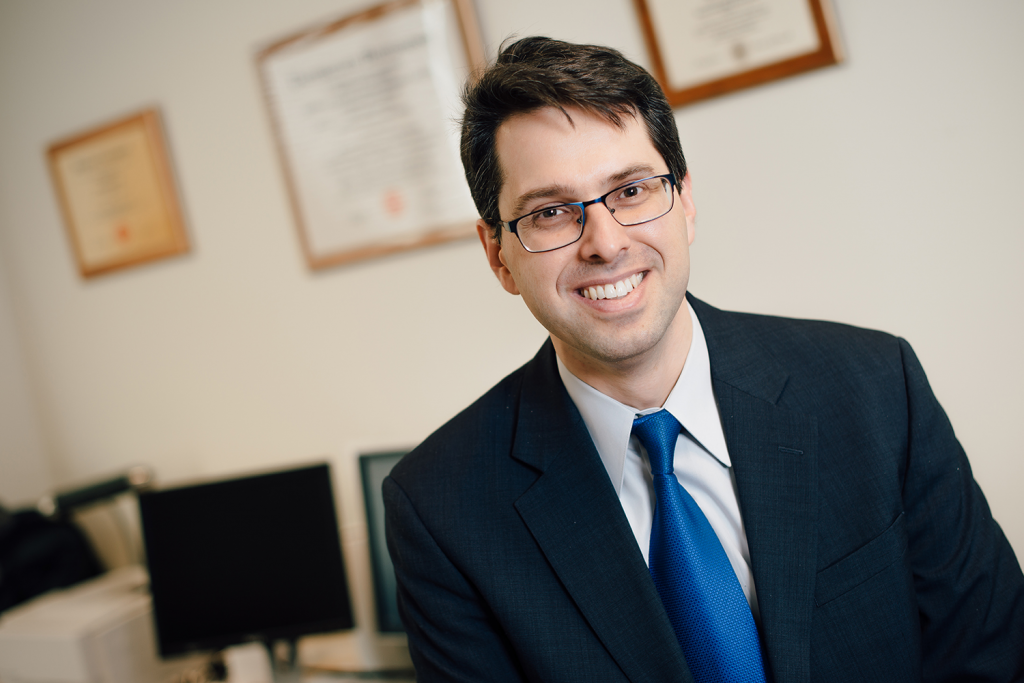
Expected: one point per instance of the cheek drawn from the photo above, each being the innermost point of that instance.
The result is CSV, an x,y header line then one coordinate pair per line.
x,y
539,277
534,284
674,243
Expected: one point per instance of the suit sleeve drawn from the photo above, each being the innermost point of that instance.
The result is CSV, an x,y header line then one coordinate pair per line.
x,y
968,582
452,635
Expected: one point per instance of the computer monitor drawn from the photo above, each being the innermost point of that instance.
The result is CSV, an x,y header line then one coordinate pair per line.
x,y
253,558
375,467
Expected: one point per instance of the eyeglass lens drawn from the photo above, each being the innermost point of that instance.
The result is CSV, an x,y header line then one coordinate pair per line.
x,y
632,204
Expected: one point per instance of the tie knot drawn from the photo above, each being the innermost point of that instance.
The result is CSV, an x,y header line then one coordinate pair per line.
x,y
658,433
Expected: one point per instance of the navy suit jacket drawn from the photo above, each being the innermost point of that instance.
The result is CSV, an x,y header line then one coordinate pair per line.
x,y
873,550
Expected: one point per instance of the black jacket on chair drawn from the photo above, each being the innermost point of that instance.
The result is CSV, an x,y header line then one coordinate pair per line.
x,y
873,550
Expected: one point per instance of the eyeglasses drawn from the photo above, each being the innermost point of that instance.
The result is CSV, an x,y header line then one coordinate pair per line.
x,y
554,227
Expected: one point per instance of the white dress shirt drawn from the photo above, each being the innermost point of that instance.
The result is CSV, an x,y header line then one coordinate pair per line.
x,y
706,473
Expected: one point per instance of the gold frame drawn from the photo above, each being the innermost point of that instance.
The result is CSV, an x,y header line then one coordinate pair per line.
x,y
465,17
828,53
117,195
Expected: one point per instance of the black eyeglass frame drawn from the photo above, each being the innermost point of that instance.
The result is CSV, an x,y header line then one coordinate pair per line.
x,y
511,226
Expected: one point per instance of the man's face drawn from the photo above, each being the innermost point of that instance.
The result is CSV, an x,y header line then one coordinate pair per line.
x,y
546,159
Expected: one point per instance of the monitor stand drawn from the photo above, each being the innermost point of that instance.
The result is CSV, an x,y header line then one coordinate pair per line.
x,y
283,656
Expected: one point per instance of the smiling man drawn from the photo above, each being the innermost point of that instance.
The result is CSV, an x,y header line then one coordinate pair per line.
x,y
669,492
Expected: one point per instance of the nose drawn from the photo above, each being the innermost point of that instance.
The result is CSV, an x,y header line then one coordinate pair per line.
x,y
603,238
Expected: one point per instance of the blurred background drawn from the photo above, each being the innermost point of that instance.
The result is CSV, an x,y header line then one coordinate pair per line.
x,y
883,192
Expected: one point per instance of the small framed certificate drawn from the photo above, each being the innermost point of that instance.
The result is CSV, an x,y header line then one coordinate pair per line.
x,y
116,192
703,48
363,112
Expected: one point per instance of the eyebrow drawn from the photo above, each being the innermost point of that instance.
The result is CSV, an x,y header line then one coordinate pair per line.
x,y
562,190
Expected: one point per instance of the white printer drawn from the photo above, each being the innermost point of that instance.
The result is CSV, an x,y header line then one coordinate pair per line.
x,y
99,631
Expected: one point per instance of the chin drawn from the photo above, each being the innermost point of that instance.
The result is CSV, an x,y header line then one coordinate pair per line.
x,y
614,351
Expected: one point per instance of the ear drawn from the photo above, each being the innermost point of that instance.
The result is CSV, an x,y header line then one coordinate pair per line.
x,y
496,257
689,208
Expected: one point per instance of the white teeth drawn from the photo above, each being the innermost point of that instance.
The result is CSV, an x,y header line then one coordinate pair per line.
x,y
613,291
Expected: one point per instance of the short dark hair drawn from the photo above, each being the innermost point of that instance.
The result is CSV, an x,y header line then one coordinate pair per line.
x,y
538,72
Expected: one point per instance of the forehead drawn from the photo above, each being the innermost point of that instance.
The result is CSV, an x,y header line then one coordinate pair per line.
x,y
545,149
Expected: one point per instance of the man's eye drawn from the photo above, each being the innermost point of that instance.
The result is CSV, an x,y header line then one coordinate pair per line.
x,y
551,218
552,213
632,192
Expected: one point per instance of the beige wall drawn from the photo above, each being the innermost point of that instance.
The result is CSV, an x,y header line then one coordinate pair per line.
x,y
883,192
24,467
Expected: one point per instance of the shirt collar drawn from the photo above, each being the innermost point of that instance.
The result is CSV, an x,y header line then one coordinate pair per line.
x,y
691,401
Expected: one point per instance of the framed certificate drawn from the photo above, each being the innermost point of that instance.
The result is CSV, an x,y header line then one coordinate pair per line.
x,y
117,194
703,48
363,112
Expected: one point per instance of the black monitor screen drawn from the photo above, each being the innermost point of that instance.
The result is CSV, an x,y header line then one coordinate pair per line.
x,y
375,467
245,559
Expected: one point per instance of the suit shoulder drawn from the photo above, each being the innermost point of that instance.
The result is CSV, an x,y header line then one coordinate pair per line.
x,y
808,340
815,334
822,357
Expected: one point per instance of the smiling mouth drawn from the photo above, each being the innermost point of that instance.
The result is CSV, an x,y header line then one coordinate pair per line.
x,y
613,290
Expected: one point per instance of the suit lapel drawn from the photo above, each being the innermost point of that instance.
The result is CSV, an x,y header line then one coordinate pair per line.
x,y
575,517
773,451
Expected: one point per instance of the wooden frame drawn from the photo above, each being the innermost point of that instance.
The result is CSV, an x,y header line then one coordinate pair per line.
x,y
809,26
116,192
328,232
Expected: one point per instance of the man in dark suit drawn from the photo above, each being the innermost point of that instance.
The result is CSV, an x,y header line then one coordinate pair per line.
x,y
826,504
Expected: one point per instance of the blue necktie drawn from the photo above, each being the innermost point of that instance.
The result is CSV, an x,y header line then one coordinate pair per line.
x,y
692,573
